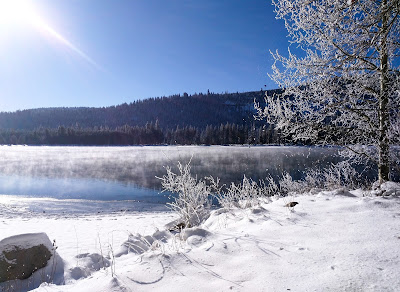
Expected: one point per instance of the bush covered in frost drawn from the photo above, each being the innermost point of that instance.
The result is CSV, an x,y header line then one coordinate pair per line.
x,y
193,198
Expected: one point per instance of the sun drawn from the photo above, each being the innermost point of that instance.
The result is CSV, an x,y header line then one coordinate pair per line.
x,y
21,14
15,13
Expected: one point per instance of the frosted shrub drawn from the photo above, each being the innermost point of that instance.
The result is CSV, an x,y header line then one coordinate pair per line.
x,y
288,186
271,187
193,197
248,193
395,157
338,175
241,195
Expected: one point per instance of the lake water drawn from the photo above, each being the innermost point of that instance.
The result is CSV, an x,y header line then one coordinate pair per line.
x,y
129,173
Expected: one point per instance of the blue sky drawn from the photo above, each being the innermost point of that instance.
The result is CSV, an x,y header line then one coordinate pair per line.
x,y
103,52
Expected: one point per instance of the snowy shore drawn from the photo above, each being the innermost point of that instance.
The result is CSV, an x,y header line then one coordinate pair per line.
x,y
331,241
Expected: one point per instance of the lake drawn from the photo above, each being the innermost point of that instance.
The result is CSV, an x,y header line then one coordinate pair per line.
x,y
130,173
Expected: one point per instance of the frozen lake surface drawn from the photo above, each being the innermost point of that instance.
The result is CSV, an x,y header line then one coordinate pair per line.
x,y
129,173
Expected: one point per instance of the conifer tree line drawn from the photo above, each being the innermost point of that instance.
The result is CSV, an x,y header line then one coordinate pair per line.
x,y
197,110
150,134
198,119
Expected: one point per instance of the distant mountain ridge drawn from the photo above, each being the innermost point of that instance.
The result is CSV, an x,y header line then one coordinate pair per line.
x,y
198,110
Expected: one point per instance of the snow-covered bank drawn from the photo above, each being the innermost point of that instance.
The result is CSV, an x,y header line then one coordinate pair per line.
x,y
330,242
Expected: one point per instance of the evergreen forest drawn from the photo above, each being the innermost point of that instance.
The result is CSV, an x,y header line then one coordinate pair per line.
x,y
210,119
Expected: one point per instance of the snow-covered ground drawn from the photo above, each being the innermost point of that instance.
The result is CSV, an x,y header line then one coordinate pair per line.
x,y
331,241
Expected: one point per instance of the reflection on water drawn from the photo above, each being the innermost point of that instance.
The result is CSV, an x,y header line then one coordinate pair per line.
x,y
129,173
72,188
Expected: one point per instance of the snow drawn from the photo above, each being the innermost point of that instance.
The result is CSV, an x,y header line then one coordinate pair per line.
x,y
331,241
25,241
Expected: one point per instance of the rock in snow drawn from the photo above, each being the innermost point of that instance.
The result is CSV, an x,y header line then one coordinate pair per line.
x,y
22,255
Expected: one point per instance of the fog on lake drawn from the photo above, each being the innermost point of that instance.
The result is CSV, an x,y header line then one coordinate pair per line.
x,y
129,173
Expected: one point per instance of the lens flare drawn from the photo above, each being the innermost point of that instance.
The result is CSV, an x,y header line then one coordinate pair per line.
x,y
20,13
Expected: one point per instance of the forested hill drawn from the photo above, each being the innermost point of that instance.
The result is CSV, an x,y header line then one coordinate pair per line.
x,y
198,110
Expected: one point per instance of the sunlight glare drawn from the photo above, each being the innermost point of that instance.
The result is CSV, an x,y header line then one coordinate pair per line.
x,y
17,13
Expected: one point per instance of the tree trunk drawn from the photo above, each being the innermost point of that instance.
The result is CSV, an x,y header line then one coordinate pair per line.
x,y
383,146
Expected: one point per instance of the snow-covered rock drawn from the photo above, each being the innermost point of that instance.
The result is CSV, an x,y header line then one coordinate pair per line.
x,y
386,189
22,255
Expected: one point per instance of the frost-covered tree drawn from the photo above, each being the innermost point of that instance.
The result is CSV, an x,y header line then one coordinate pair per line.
x,y
343,84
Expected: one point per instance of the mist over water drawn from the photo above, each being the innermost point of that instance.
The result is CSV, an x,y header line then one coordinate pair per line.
x,y
129,173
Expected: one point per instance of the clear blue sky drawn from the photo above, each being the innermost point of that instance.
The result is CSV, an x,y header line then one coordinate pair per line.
x,y
101,52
